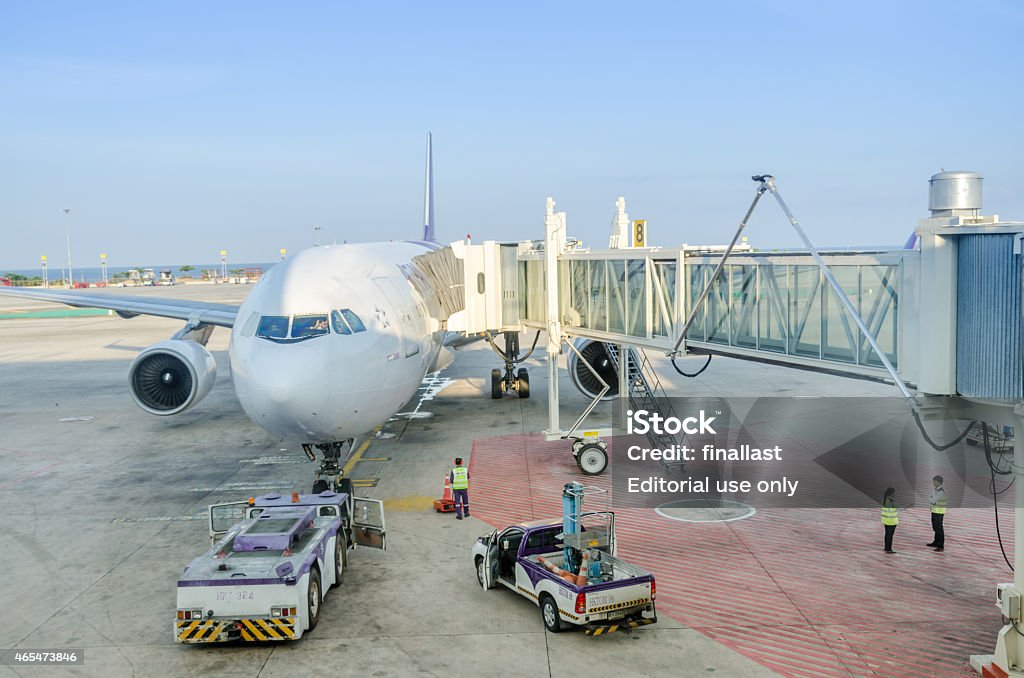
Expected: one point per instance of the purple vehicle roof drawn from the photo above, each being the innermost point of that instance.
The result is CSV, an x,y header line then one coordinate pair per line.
x,y
324,498
235,567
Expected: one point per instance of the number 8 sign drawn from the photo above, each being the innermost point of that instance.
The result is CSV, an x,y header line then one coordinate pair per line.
x,y
640,233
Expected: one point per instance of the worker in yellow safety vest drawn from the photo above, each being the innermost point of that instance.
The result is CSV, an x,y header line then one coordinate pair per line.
x,y
938,501
460,486
890,519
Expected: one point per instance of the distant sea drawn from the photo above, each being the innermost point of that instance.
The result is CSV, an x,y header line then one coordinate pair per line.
x,y
95,273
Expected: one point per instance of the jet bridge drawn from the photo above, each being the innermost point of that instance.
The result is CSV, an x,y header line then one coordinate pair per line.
x,y
773,307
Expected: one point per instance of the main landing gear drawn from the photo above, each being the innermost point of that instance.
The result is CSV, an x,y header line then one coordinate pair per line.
x,y
330,475
509,379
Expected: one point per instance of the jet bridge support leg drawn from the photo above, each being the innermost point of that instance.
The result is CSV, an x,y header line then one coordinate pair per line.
x,y
589,450
554,241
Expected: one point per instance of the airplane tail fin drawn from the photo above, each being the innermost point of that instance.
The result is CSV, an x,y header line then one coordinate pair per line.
x,y
428,197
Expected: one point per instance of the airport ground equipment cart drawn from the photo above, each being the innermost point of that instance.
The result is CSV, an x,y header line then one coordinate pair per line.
x,y
568,568
265,577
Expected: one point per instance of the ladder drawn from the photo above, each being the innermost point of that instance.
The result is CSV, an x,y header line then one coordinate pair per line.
x,y
646,393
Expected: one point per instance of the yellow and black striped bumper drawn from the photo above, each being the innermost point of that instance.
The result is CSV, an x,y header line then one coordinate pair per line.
x,y
619,606
604,629
223,630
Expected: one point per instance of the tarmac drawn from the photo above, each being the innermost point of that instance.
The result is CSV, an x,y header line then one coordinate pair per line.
x,y
104,504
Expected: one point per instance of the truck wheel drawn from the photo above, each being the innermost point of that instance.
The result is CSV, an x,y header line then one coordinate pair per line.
x,y
549,613
313,598
496,384
523,382
480,572
592,459
340,557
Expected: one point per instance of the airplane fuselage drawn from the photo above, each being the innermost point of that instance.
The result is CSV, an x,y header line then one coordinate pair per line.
x,y
333,342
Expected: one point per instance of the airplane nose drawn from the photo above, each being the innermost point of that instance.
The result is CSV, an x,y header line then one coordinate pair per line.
x,y
286,389
288,382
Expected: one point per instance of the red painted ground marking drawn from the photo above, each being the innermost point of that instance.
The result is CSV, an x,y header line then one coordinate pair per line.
x,y
33,474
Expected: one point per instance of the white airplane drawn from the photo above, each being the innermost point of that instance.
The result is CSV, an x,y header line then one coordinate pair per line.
x,y
327,346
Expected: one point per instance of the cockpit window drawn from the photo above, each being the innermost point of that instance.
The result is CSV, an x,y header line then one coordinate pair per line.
x,y
353,320
273,327
309,326
346,322
339,324
250,325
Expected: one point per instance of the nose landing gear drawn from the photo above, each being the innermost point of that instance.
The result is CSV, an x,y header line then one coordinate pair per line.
x,y
330,476
509,379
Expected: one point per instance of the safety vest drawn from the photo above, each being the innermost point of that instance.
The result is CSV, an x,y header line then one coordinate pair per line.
x,y
889,516
460,478
940,502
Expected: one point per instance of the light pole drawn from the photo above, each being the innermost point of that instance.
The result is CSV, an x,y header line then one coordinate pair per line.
x,y
67,228
46,277
316,237
224,264
103,263
284,253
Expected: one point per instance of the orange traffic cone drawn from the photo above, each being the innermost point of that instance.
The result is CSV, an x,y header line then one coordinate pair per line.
x,y
581,578
549,566
446,504
557,571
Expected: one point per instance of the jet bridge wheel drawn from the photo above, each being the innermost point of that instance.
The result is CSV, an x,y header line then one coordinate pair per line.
x,y
592,459
496,389
523,383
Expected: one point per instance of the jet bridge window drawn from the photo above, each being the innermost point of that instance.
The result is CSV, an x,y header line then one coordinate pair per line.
x,y
309,326
346,322
273,327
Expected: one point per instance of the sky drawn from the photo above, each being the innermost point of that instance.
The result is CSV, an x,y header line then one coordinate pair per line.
x,y
173,130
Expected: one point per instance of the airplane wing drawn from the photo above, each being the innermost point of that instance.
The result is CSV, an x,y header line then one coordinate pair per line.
x,y
221,315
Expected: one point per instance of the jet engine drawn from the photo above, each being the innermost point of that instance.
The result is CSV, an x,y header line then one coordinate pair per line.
x,y
595,354
171,376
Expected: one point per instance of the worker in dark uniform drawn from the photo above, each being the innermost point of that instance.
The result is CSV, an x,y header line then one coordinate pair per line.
x,y
938,501
890,519
460,486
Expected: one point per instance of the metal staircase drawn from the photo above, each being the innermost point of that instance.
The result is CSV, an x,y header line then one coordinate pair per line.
x,y
646,393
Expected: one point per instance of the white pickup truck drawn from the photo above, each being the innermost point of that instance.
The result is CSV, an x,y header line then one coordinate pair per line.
x,y
529,559
266,576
